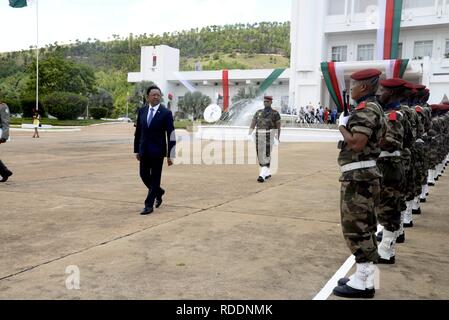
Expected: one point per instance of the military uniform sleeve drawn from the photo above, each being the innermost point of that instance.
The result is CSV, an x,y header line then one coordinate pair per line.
x,y
4,121
277,117
364,120
394,135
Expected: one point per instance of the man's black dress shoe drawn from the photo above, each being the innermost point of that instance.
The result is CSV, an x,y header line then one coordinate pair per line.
x,y
159,200
146,211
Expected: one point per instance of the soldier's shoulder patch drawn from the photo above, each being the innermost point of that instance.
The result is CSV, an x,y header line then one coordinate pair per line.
x,y
393,116
361,106
419,109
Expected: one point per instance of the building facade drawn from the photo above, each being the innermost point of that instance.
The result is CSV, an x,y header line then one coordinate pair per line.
x,y
345,31
160,64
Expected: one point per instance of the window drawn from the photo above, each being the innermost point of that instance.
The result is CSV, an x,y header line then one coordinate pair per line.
x,y
362,6
336,7
423,49
339,53
400,51
365,52
410,4
446,51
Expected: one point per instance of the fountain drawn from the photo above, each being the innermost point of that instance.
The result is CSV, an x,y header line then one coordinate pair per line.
x,y
234,126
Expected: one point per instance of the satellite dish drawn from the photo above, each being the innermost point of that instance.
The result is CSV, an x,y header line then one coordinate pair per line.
x,y
212,113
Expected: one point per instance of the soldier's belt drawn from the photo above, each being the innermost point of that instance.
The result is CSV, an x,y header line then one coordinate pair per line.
x,y
386,154
358,165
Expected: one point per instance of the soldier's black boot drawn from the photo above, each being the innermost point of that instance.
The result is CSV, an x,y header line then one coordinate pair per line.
x,y
4,172
416,211
356,287
385,261
408,225
401,238
346,291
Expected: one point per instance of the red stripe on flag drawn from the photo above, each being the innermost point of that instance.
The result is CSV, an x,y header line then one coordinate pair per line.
x,y
225,79
334,81
389,18
397,68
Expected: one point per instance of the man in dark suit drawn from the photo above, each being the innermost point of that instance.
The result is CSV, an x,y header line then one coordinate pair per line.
x,y
154,141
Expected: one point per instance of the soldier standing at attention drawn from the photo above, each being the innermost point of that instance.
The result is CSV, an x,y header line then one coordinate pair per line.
x,y
363,131
392,168
409,144
4,136
268,123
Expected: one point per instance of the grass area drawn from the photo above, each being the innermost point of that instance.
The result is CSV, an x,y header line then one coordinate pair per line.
x,y
240,61
55,122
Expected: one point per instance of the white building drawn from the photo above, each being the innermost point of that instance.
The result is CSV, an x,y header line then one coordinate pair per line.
x,y
160,64
323,30
345,31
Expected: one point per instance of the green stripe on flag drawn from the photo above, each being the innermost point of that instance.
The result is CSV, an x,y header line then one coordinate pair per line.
x,y
404,64
271,78
18,3
396,28
327,79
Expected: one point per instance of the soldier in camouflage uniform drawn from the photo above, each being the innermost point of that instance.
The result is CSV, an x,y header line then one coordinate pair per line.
x,y
5,173
392,168
410,130
419,155
268,124
363,131
426,114
434,136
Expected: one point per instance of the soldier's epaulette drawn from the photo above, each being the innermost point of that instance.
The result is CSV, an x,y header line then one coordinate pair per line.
x,y
393,116
361,106
419,109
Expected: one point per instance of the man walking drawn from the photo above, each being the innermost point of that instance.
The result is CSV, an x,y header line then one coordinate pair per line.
x,y
154,141
5,173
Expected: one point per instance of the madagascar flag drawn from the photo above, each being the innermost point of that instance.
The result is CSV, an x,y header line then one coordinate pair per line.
x,y
18,3
390,13
334,76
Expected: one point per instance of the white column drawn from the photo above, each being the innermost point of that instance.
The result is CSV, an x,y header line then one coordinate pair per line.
x,y
427,71
307,41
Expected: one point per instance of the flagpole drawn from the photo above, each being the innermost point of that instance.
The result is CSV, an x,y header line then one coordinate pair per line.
x,y
37,55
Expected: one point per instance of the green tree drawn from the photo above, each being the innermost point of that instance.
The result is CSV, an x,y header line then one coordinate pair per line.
x,y
102,99
194,104
245,93
59,75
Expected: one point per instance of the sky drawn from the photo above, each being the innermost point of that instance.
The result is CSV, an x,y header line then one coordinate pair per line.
x,y
68,20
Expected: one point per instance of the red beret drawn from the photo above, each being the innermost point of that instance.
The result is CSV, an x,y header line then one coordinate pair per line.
x,y
366,74
392,83
268,98
420,87
409,85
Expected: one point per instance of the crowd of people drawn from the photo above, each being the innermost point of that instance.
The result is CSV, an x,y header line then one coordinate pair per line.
x,y
395,146
316,115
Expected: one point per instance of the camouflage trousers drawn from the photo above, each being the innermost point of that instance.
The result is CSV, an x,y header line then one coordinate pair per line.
x,y
420,168
410,176
264,146
358,203
391,194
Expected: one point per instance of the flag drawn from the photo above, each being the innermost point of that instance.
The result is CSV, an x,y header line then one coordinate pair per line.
x,y
334,77
271,79
225,80
390,14
395,68
19,3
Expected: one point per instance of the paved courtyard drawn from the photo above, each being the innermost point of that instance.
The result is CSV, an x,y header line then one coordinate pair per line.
x,y
75,198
